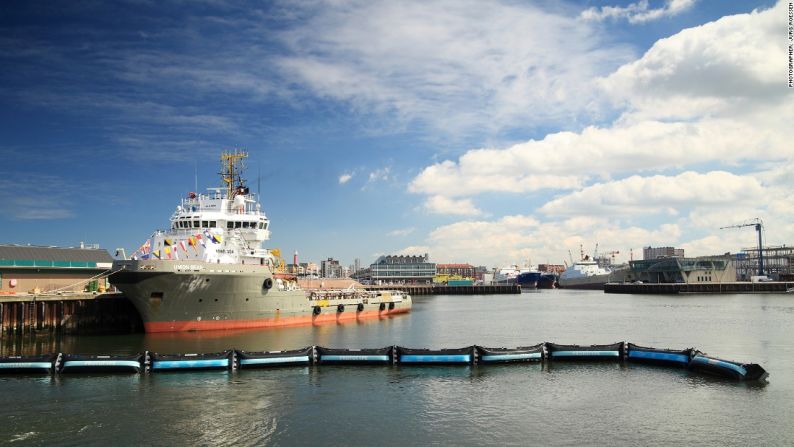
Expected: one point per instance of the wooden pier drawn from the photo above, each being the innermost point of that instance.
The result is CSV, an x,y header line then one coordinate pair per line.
x,y
413,289
728,287
69,314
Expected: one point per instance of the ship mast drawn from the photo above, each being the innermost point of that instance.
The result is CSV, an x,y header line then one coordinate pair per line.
x,y
231,172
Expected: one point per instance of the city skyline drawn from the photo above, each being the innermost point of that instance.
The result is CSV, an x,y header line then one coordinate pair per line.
x,y
489,133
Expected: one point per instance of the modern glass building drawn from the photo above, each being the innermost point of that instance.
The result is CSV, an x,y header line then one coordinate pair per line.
x,y
402,270
711,269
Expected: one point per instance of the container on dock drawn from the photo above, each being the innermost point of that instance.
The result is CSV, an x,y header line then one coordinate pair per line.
x,y
657,356
248,359
510,355
727,368
435,356
614,351
17,364
377,356
180,362
77,363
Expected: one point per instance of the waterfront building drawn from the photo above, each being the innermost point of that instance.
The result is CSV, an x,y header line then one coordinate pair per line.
x,y
28,268
778,263
662,252
462,270
331,268
700,270
402,269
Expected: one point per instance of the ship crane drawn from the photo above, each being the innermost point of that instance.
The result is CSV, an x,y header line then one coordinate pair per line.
x,y
759,226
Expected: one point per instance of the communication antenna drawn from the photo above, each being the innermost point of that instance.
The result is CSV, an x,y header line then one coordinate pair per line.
x,y
195,176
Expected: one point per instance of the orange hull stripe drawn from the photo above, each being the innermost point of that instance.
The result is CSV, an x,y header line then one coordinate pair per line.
x,y
328,316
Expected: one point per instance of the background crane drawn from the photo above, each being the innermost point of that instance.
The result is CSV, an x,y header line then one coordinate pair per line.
x,y
759,226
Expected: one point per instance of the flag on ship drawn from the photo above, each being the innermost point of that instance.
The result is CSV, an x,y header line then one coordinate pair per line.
x,y
156,254
216,238
167,251
182,246
168,242
192,242
201,241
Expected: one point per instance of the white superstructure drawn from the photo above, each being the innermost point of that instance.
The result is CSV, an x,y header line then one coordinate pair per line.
x,y
224,226
584,274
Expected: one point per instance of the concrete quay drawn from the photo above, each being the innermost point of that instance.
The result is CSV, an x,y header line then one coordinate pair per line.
x,y
716,288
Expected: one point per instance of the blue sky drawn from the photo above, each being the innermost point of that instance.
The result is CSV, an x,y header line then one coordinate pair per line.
x,y
481,132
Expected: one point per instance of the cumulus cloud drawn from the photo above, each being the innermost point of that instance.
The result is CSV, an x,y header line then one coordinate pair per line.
x,y
344,178
703,141
446,205
639,12
650,195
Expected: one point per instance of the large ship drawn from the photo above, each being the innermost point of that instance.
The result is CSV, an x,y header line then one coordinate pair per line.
x,y
585,274
209,270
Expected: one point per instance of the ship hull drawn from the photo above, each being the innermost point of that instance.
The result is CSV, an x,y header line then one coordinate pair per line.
x,y
173,296
595,282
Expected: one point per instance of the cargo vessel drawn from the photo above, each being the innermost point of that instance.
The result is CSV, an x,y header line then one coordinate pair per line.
x,y
585,274
209,270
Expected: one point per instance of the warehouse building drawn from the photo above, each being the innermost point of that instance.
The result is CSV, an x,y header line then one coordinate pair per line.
x,y
36,269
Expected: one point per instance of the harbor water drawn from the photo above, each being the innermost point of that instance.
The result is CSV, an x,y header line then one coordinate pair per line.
x,y
519,404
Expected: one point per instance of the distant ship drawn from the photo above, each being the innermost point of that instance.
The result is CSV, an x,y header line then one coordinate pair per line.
x,y
585,274
548,280
209,270
528,279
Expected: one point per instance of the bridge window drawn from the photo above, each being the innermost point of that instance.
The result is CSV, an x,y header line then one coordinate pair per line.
x,y
195,224
237,224
205,224
230,225
212,224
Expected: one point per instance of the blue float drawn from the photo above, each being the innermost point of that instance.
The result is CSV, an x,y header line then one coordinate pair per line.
x,y
657,356
378,356
246,359
727,368
77,363
613,351
27,364
171,362
437,356
510,355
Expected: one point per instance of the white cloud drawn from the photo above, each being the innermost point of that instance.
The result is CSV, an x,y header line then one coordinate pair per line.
x,y
641,196
446,205
401,232
704,141
455,66
380,174
638,12
344,178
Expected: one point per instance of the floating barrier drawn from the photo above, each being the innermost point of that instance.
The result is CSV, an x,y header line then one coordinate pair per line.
x,y
614,351
508,355
438,356
470,355
380,356
727,368
76,363
42,364
246,360
665,357
165,362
